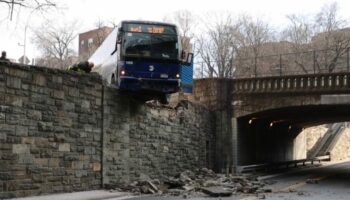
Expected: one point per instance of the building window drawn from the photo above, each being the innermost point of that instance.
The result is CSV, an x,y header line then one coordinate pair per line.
x,y
82,43
90,41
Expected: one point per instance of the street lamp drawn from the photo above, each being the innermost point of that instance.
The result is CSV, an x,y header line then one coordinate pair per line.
x,y
24,45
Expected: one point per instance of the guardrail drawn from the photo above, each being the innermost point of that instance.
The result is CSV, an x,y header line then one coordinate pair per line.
x,y
279,165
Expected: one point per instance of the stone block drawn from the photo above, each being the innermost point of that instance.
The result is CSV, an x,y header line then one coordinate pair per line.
x,y
65,122
81,173
65,147
13,82
58,94
45,126
42,142
6,147
21,131
5,176
54,162
37,178
28,140
77,165
26,158
3,137
14,100
85,104
25,86
68,106
96,167
42,162
60,137
39,79
56,79
7,195
71,157
20,148
9,156
89,150
34,114
2,116
74,92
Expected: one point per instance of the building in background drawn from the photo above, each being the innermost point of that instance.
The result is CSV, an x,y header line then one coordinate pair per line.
x,y
89,41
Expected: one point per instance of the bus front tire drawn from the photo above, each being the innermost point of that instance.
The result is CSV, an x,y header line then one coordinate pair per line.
x,y
163,99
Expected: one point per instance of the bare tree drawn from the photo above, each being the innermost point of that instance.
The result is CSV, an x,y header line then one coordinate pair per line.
x,y
37,5
333,38
218,46
298,33
253,34
186,23
55,43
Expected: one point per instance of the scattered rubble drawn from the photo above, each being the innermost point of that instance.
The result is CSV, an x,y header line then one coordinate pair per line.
x,y
312,181
201,182
261,196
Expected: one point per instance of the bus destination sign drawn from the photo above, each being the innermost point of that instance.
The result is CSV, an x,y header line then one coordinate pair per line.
x,y
146,28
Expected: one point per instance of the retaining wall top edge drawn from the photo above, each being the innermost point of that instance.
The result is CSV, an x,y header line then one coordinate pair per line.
x,y
34,68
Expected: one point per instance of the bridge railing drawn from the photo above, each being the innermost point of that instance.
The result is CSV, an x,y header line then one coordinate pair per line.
x,y
309,62
325,82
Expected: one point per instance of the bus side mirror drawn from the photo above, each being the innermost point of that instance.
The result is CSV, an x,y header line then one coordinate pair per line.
x,y
119,36
183,55
186,58
189,59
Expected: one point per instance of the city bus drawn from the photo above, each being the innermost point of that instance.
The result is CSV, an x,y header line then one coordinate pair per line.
x,y
142,57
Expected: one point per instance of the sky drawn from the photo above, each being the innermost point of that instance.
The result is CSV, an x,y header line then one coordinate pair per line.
x,y
88,12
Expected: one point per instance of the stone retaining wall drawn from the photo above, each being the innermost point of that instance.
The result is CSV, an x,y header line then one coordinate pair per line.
x,y
161,141
64,131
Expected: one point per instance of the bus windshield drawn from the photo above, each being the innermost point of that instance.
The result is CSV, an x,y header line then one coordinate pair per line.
x,y
151,45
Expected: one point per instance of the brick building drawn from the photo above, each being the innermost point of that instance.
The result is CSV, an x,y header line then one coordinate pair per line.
x,y
89,41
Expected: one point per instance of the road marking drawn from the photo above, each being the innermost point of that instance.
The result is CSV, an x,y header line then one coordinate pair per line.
x,y
249,198
299,185
291,187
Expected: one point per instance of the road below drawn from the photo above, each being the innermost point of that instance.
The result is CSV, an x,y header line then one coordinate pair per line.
x,y
326,183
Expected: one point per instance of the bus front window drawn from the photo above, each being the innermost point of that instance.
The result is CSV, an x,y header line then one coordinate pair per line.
x,y
137,45
155,46
164,46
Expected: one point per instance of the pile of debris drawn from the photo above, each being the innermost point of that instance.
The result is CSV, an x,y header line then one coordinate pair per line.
x,y
201,182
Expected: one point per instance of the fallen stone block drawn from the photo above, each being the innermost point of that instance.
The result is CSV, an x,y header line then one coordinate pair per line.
x,y
312,181
217,191
174,183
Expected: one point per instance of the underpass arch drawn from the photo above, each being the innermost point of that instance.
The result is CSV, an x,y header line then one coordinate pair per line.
x,y
274,135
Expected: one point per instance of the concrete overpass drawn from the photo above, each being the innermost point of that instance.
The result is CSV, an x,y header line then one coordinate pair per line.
x,y
259,119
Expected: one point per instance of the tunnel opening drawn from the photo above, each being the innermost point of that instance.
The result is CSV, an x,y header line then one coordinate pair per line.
x,y
274,135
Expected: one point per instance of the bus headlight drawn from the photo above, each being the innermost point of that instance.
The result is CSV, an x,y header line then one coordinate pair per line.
x,y
177,75
123,72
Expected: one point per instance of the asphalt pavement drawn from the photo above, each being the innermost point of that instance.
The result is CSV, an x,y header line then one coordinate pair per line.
x,y
330,182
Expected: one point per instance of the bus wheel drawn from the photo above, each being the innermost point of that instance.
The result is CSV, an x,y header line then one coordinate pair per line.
x,y
164,99
113,80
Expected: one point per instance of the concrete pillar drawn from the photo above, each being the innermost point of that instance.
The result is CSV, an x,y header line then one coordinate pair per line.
x,y
234,132
224,143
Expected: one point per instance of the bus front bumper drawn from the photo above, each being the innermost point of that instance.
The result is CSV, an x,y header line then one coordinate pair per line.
x,y
147,84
